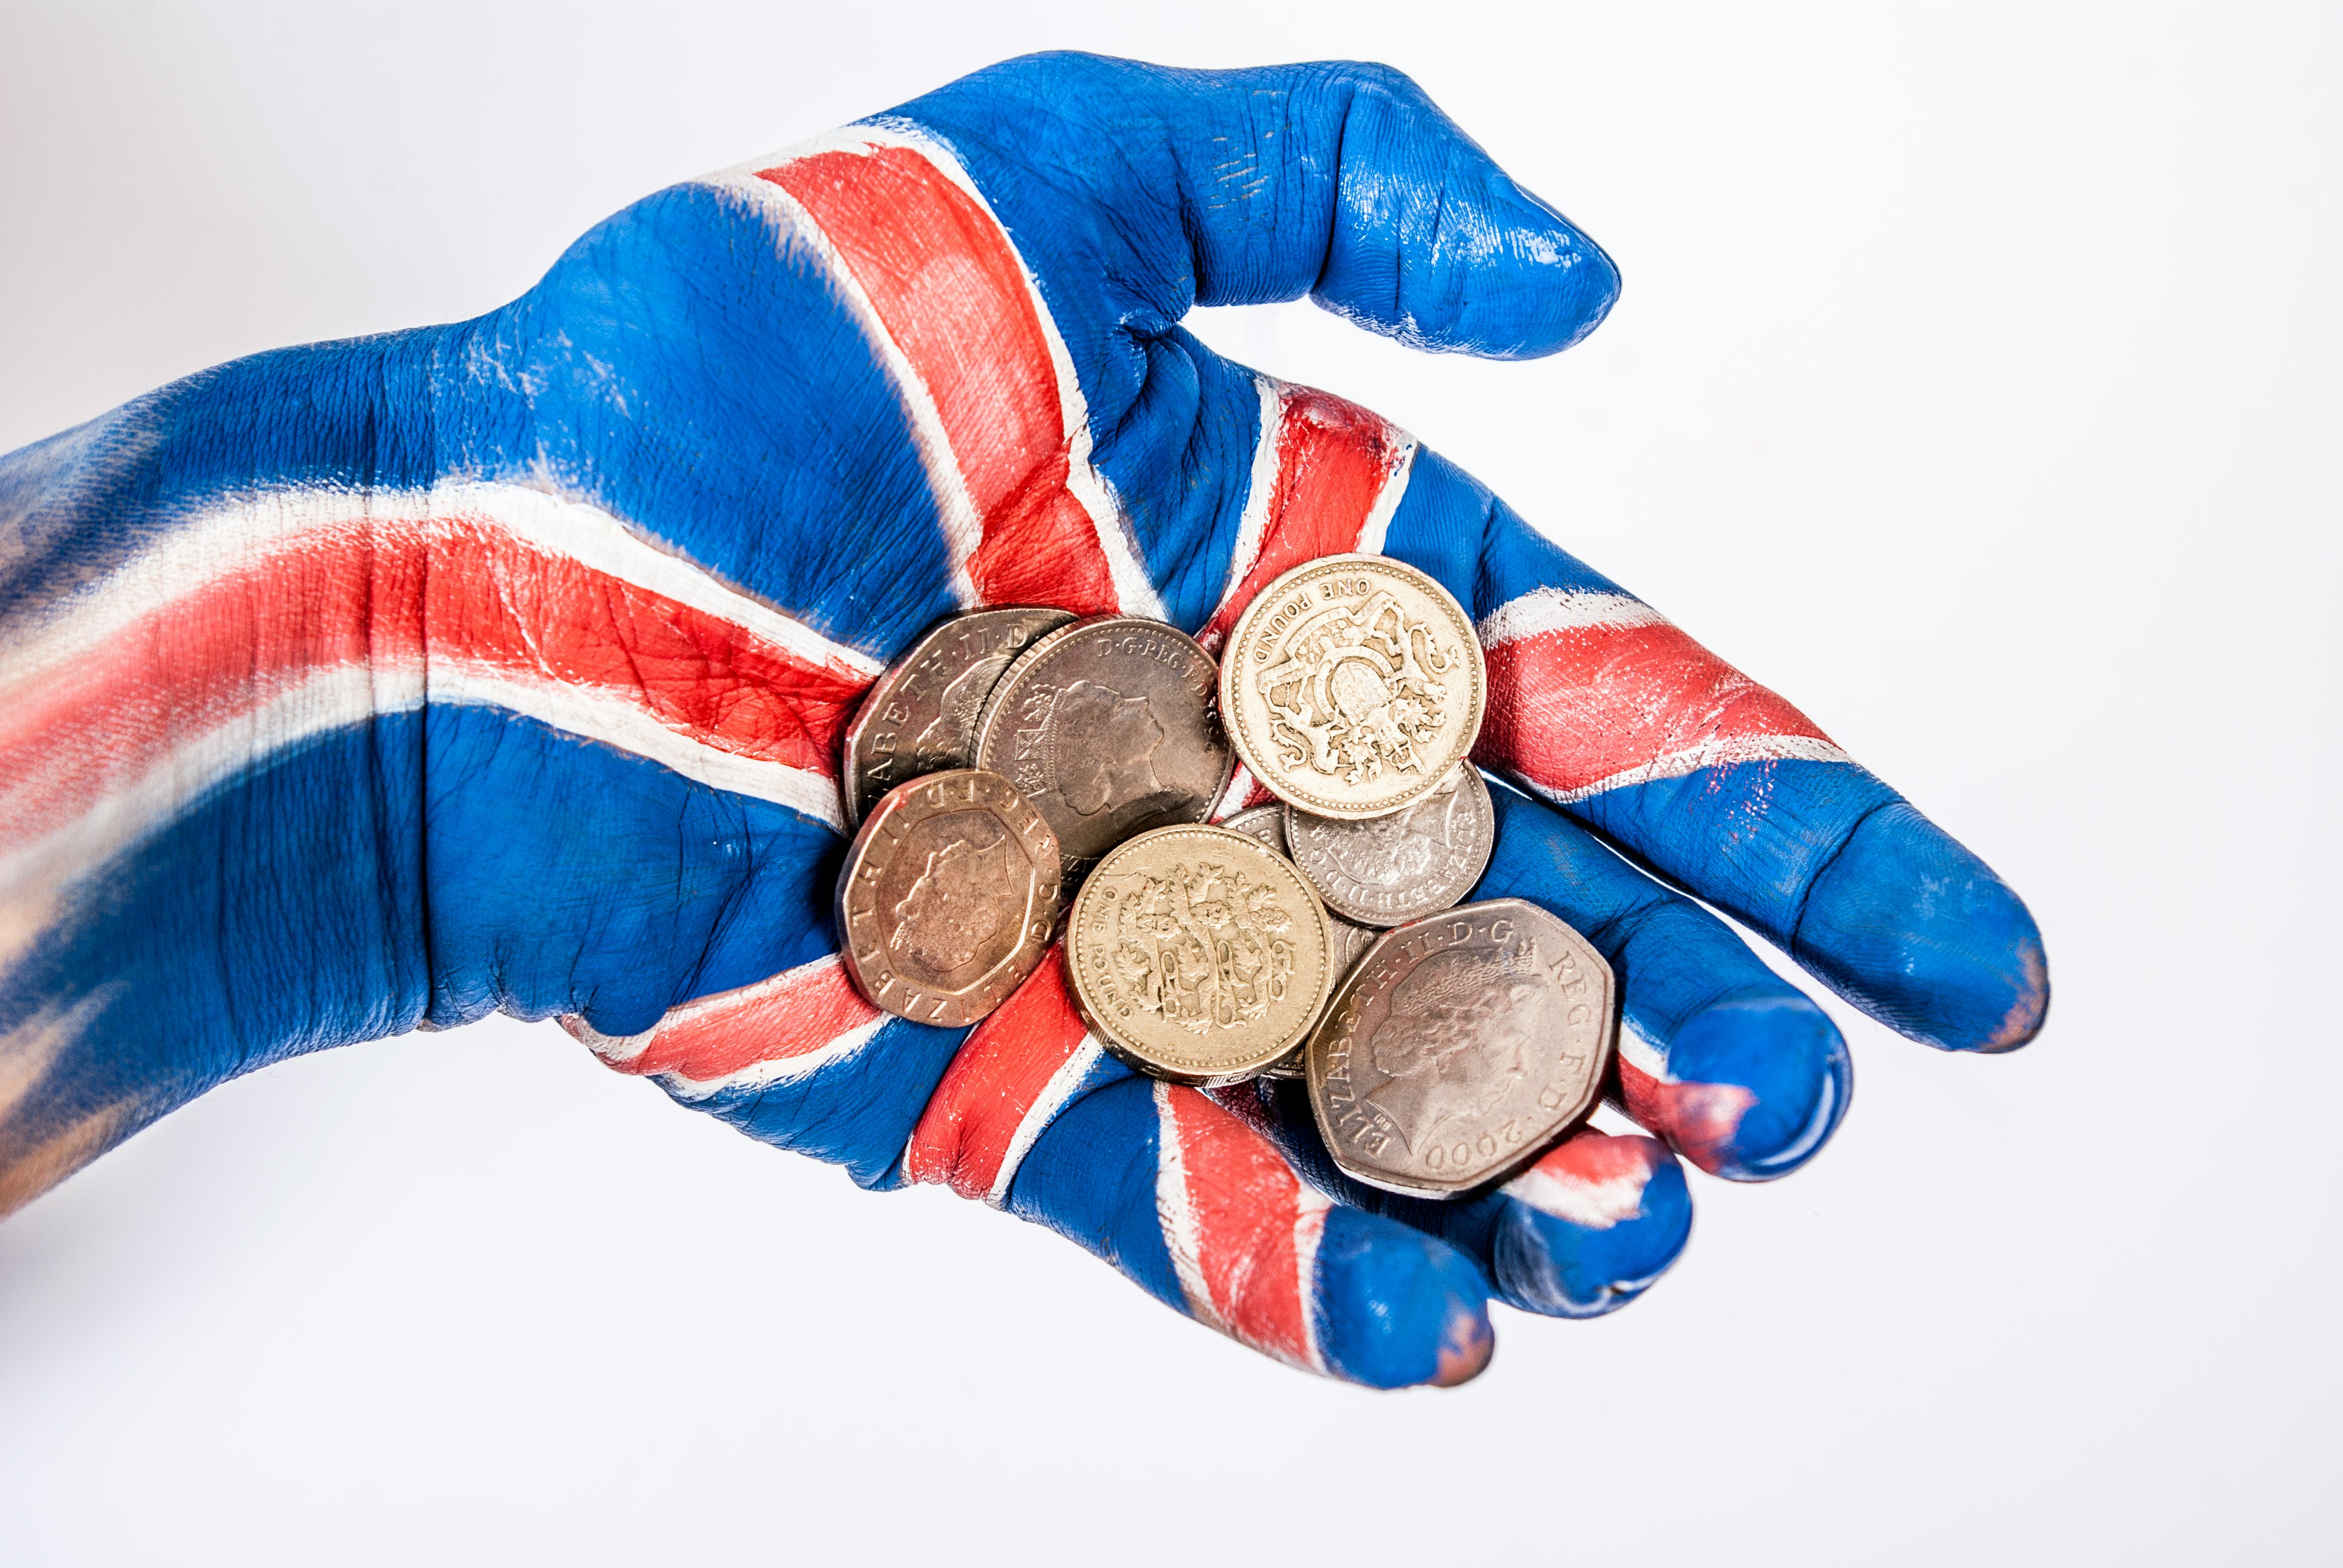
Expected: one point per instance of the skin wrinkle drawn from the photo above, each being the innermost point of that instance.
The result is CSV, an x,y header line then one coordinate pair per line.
x,y
1806,894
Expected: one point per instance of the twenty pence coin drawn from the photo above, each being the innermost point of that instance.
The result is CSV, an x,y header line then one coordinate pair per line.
x,y
921,714
1352,685
1198,955
1389,870
948,897
1107,727
1461,1047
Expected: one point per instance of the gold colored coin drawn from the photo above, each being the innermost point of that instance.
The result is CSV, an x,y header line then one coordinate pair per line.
x,y
1351,686
1199,955
948,897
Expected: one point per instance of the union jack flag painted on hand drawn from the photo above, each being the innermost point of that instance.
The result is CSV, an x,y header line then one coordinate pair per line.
x,y
373,685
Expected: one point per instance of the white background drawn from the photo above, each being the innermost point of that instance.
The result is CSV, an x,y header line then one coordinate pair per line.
x,y
1975,383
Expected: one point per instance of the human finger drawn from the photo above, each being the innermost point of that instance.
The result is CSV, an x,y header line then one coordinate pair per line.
x,y
1338,179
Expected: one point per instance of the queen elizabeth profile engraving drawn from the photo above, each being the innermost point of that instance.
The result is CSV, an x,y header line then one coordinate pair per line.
x,y
1457,1040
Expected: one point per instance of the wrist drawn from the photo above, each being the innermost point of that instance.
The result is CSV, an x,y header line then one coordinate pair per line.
x,y
207,829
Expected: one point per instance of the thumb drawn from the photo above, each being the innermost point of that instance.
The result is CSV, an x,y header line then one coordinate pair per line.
x,y
1338,179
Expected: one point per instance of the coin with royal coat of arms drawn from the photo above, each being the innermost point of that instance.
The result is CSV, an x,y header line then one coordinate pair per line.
x,y
948,897
1199,955
921,715
1459,1047
1351,686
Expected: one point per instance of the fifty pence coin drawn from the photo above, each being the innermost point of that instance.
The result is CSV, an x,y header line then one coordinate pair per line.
x,y
1389,870
1107,727
1459,1047
948,898
1198,955
921,714
1352,685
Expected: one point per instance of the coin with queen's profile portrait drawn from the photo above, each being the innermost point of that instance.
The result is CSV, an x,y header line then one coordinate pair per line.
x,y
1459,1047
1106,725
1351,686
948,897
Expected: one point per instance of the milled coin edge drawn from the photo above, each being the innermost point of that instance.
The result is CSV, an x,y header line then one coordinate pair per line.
x,y
1134,1055
1232,717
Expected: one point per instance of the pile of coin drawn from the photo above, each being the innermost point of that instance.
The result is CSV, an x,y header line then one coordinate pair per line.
x,y
1011,755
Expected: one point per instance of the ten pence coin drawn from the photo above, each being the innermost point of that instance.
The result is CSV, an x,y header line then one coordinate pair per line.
x,y
1265,823
1107,727
1198,955
921,714
1352,685
1461,1047
948,897
1389,870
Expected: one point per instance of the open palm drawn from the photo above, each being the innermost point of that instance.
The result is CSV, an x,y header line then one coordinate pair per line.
x,y
381,684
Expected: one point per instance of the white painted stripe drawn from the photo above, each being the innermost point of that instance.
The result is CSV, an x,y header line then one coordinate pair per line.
x,y
1044,1109
1387,500
1260,490
783,1069
1182,1238
1590,1205
1126,567
595,713
1564,610
963,530
1723,753
1642,1050
36,874
1233,798
618,1050
1309,1230
239,533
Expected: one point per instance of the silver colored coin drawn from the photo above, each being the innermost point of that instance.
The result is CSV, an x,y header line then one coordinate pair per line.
x,y
1266,823
1389,870
948,898
1108,727
1352,683
921,714
1461,1047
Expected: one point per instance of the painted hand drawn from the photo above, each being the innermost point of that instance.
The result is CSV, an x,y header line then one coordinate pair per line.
x,y
375,685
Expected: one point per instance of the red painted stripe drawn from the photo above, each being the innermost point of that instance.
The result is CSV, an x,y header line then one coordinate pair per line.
x,y
1247,1203
1333,459
1594,1159
950,292
994,1082
1570,708
1699,1120
792,1015
399,597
